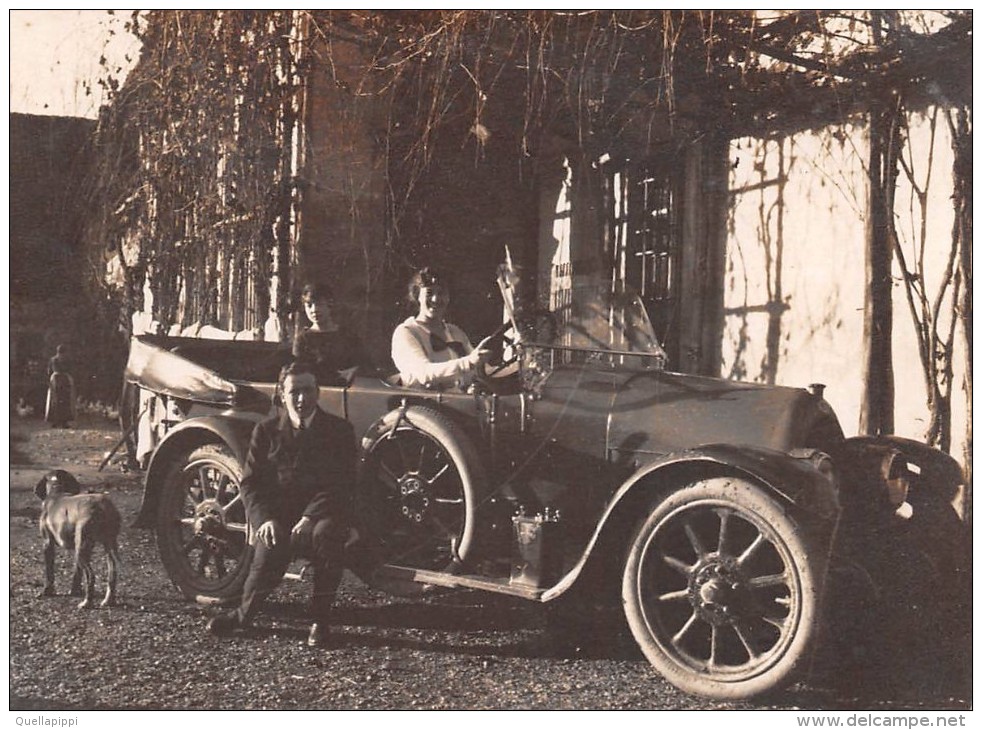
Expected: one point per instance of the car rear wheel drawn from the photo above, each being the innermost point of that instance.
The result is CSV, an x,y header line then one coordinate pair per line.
x,y
721,591
422,483
201,525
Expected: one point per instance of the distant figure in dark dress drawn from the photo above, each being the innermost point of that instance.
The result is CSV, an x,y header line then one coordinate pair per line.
x,y
60,407
326,344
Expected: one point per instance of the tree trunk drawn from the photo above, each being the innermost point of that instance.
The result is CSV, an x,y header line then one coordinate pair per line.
x,y
876,415
961,135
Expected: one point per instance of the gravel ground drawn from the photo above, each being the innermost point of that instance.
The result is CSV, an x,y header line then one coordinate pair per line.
x,y
451,650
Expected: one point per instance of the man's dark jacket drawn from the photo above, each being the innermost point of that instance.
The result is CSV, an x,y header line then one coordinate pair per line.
x,y
290,473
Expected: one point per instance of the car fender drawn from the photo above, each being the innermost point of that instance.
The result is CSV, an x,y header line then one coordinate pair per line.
x,y
234,432
792,479
378,426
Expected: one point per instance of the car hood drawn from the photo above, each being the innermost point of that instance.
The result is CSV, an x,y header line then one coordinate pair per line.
x,y
658,412
661,412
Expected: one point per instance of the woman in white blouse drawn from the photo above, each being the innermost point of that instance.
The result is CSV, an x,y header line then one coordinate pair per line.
x,y
428,350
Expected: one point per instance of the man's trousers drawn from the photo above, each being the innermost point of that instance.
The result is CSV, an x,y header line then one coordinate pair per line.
x,y
325,550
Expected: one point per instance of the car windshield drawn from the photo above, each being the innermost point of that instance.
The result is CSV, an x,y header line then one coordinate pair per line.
x,y
599,328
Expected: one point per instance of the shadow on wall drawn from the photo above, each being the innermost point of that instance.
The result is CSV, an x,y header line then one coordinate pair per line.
x,y
770,228
783,210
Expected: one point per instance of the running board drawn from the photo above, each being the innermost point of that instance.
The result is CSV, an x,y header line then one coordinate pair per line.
x,y
449,580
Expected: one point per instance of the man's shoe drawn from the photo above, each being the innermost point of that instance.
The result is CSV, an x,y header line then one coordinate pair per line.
x,y
224,624
318,636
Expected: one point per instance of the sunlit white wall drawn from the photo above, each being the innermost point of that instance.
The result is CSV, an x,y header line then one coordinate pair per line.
x,y
794,288
928,162
55,59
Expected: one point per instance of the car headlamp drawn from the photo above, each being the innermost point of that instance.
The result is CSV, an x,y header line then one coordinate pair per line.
x,y
896,478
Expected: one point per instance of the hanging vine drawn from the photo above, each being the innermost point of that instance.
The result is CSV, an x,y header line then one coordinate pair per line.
x,y
194,164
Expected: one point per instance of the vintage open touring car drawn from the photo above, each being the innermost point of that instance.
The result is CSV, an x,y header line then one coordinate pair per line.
x,y
718,513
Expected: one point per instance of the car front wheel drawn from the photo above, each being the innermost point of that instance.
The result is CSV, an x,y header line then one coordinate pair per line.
x,y
721,590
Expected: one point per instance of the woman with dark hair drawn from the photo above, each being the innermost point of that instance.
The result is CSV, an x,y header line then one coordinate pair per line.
x,y
325,344
428,350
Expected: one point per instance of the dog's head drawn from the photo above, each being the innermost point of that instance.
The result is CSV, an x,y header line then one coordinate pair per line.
x,y
55,482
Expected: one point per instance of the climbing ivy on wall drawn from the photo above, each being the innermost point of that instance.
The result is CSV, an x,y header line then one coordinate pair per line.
x,y
194,179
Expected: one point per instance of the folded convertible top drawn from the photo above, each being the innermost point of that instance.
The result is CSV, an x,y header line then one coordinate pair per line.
x,y
201,370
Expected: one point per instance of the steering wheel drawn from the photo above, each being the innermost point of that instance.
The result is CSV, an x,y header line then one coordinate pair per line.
x,y
498,367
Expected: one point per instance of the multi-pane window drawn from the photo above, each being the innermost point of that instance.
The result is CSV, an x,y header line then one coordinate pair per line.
x,y
561,272
641,236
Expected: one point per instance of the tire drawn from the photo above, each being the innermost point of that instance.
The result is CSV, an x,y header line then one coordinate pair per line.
x,y
728,618
201,525
422,483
